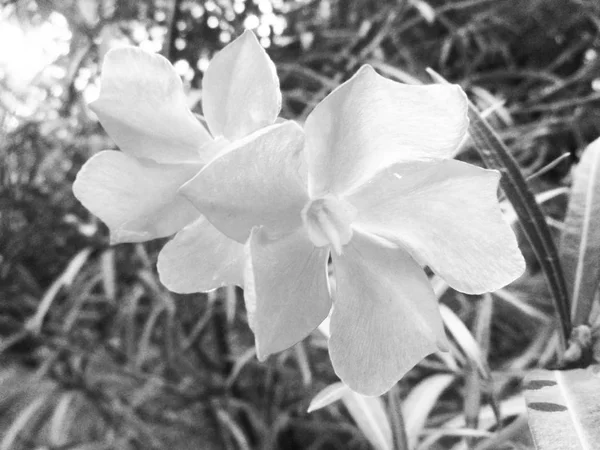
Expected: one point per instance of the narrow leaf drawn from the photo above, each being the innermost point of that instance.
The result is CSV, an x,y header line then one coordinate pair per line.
x,y
420,402
580,240
26,418
109,277
64,280
496,155
465,340
369,414
563,408
327,396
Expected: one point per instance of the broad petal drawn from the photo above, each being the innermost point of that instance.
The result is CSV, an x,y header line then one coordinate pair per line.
x,y
136,198
448,216
370,122
199,259
256,182
385,317
240,89
285,289
143,108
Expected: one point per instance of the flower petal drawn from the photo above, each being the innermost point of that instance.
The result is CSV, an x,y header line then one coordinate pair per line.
x,y
240,89
199,259
447,215
285,289
143,108
385,317
136,198
256,182
370,122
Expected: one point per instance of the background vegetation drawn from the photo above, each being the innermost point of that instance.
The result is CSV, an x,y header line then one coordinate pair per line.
x,y
96,354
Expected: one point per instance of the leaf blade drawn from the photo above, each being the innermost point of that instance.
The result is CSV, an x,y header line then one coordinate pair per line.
x,y
496,156
580,240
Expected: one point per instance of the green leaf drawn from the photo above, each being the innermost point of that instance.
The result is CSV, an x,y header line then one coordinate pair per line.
x,y
563,408
580,240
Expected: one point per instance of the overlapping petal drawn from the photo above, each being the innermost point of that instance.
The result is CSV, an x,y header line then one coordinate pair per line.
x,y
240,89
385,317
200,258
143,107
136,198
255,182
285,289
447,215
370,122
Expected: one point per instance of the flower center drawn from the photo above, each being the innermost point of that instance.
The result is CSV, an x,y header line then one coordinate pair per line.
x,y
328,221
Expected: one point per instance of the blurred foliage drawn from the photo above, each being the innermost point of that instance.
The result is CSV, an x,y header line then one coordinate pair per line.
x,y
97,355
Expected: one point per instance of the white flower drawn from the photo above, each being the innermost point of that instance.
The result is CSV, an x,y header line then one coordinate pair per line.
x,y
142,106
372,187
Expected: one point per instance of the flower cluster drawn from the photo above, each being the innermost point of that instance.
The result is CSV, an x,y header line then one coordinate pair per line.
x,y
367,185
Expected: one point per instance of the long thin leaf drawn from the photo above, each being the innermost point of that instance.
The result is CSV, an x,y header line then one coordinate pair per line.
x,y
580,240
327,396
420,402
65,279
368,413
465,340
497,156
563,408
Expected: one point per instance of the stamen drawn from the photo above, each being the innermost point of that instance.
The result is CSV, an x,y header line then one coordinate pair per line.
x,y
328,221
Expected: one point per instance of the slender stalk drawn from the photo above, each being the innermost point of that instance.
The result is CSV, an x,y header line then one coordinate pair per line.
x,y
171,23
397,420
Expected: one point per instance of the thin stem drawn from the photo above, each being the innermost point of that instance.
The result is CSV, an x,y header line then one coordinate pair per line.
x,y
397,420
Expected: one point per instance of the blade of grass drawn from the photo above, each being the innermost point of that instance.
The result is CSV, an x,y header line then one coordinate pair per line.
x,y
62,419
497,156
465,340
303,364
234,429
65,279
26,418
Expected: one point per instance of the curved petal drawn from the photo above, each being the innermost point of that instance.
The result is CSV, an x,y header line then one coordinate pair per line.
x,y
370,122
240,89
385,316
199,259
137,199
255,182
285,289
447,215
143,108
